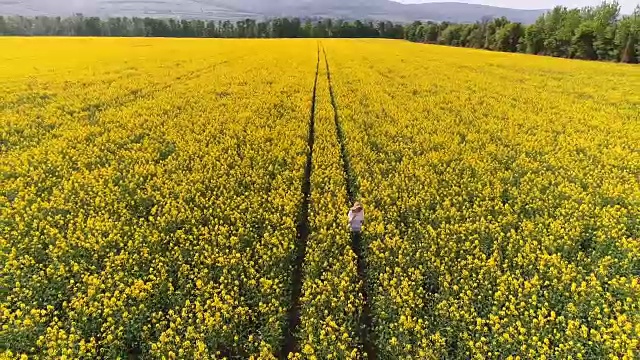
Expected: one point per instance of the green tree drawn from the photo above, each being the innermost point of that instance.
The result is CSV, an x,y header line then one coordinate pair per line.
x,y
534,37
421,33
3,26
432,32
307,29
412,30
605,21
583,41
476,36
465,34
451,35
627,39
508,37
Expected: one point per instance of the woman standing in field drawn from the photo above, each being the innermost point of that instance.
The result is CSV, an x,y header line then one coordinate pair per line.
x,y
356,218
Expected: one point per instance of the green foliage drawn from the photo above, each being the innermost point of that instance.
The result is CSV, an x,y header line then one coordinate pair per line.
x,y
149,27
627,39
590,33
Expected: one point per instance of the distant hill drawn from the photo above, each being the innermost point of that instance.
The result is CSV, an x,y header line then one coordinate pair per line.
x,y
236,9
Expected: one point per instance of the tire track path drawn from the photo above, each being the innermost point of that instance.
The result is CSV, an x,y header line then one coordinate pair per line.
x,y
366,328
290,343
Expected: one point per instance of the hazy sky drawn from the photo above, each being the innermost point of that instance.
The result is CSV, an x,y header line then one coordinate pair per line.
x,y
627,5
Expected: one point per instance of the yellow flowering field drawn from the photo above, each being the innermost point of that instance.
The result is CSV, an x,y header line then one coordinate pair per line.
x,y
150,213
503,200
183,198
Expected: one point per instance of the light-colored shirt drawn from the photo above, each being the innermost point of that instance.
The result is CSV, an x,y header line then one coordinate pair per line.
x,y
356,220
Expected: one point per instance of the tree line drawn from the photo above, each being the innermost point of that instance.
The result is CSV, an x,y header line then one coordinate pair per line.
x,y
79,25
591,33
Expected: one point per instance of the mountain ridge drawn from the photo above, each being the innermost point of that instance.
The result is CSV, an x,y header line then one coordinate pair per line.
x,y
237,9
